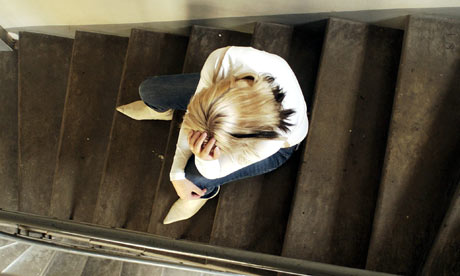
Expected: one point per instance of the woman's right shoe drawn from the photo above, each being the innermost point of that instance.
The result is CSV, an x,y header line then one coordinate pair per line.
x,y
185,209
138,110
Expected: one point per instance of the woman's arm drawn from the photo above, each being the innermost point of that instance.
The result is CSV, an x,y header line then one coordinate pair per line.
x,y
181,157
225,164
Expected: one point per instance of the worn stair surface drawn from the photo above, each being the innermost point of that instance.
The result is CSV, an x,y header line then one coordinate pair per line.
x,y
32,262
94,79
333,206
203,40
259,225
44,63
136,151
10,253
4,243
9,133
422,147
61,262
102,267
130,269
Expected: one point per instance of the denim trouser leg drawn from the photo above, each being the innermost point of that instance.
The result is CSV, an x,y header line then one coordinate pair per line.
x,y
264,166
169,92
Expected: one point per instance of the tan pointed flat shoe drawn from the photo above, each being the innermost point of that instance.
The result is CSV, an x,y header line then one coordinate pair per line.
x,y
185,209
138,110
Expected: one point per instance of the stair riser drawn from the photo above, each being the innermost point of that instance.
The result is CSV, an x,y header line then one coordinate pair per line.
x,y
444,254
305,55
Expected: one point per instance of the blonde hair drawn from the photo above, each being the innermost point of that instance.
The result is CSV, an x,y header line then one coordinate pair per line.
x,y
238,111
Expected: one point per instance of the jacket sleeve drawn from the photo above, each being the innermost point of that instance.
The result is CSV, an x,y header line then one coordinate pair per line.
x,y
226,164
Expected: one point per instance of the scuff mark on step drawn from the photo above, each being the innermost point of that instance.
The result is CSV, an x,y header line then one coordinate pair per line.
x,y
160,156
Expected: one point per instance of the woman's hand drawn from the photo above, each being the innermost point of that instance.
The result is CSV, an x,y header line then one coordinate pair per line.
x,y
203,149
185,189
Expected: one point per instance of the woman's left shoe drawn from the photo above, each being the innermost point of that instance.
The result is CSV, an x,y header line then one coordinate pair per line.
x,y
185,209
138,110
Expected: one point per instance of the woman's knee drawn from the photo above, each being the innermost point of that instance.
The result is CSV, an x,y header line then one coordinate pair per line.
x,y
150,94
192,174
195,177
145,90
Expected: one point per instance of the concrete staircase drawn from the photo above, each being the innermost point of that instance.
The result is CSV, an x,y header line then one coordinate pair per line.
x,y
375,186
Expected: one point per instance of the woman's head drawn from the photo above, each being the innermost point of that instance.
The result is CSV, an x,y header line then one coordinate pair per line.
x,y
238,111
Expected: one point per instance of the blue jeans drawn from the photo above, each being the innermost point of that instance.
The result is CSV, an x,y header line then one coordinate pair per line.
x,y
162,93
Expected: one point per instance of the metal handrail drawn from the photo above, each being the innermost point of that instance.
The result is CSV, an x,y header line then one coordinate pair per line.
x,y
179,247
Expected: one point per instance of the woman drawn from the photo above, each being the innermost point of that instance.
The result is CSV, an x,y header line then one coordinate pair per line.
x,y
246,117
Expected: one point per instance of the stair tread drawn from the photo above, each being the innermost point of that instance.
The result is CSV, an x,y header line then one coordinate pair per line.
x,y
9,133
273,38
130,269
5,242
136,150
102,267
333,205
252,213
177,272
202,42
422,146
32,262
71,264
10,253
41,102
94,79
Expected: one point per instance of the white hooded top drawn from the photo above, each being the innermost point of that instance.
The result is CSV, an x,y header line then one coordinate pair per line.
x,y
246,59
